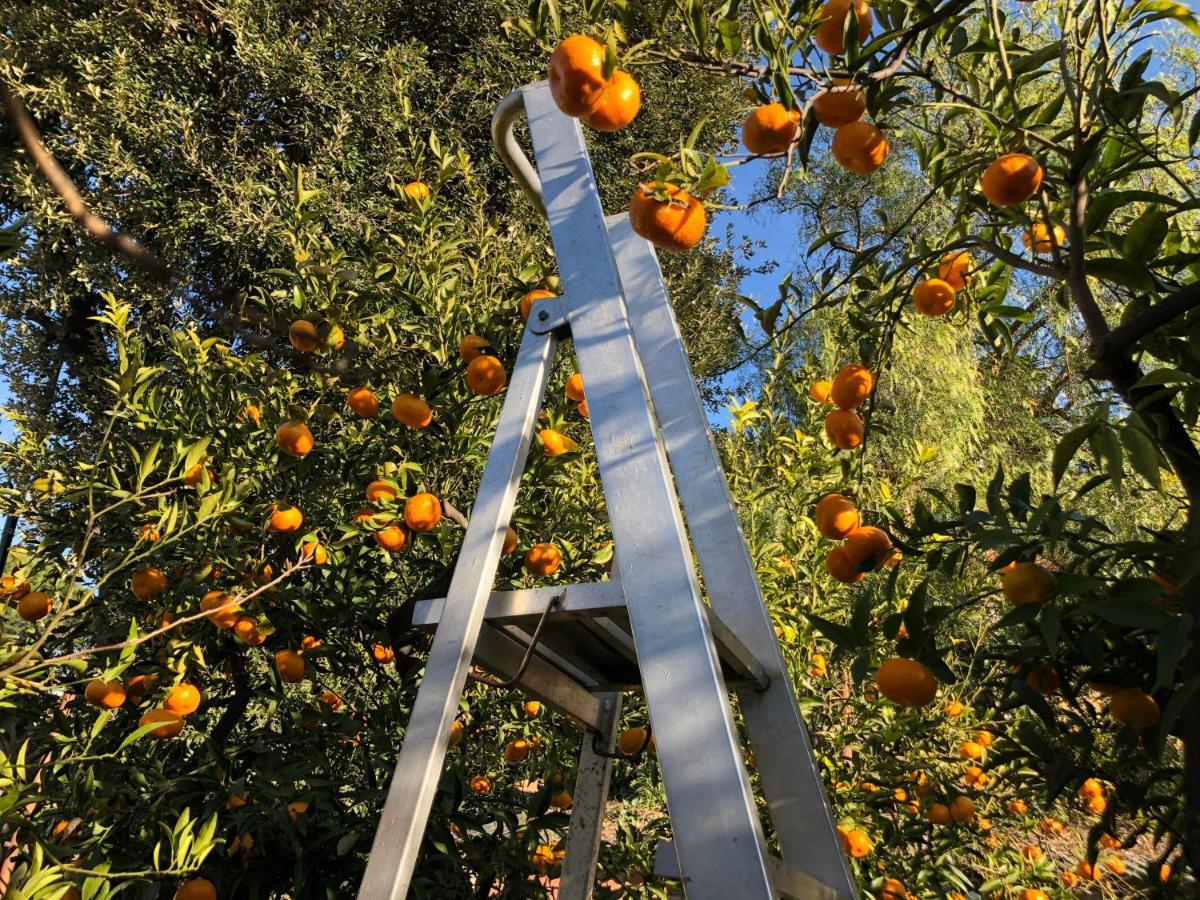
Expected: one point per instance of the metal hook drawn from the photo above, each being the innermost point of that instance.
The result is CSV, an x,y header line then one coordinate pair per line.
x,y
554,603
600,751
507,113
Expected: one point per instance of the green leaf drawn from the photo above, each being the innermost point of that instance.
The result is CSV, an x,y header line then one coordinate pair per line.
x,y
1145,236
840,635
1172,642
1128,613
1067,447
1121,271
1143,455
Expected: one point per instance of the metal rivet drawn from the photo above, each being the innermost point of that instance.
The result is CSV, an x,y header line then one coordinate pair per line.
x,y
543,316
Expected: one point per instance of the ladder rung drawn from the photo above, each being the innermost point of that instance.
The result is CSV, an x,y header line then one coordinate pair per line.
x,y
520,607
787,881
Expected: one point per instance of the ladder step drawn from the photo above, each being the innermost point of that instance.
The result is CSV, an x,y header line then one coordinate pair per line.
x,y
587,635
787,881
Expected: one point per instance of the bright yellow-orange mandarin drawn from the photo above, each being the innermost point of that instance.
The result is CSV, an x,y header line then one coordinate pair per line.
x,y
543,559
392,539
933,297
820,391
486,376
555,443
1028,583
955,269
962,809
869,547
212,602
906,681
1012,179
893,889
472,346
294,439
148,583
530,298
107,694
285,518
841,567
170,724
633,740
836,517
574,388
411,410
939,814
516,751
379,491
841,104
770,129
183,699
830,34
314,551
852,386
416,191
675,224
1038,237
290,666
422,511
576,75
510,541
844,429
859,147
619,104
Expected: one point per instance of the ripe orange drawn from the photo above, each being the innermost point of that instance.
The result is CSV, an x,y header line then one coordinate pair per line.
x,y
836,516
869,547
510,541
515,751
247,630
525,307
170,724
11,588
555,443
970,750
985,738
1039,237
820,391
939,814
893,888
533,709
844,429
582,409
841,567
378,491
331,700
456,733
383,654
486,376
1043,678
907,682
108,694
933,297
296,809
1012,179
1091,787
574,388
294,439
183,699
34,605
1018,806
471,347
196,889
859,147
362,402
954,709
333,336
285,518
481,784
138,686
962,809
830,34
562,799
633,740
392,539
422,512
576,75
1028,583
304,337
148,583
212,602
955,269
196,473
308,642
675,224
856,842
314,551
1087,871
416,191
1133,706
852,386
542,560
770,129
1032,893
619,103
840,104
412,411
290,666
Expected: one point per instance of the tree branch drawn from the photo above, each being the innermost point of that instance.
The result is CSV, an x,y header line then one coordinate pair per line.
x,y
1118,341
23,125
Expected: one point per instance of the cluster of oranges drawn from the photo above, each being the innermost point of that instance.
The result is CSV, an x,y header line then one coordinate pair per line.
x,y
849,389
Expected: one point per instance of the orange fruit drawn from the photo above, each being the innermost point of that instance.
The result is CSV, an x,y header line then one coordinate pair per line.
x,y
170,724
970,750
857,843
383,654
108,694
831,30
34,605
1039,237
285,518
1043,679
976,777
412,411
555,443
770,129
1028,583
304,337
869,547
525,307
362,402
183,699
841,567
1032,893
836,517
954,709
416,191
820,391
196,473
619,104
212,602
1018,807
675,224
422,512
294,439
332,700
542,560
138,686
1069,879
532,708
933,297
962,809
472,346
308,642
314,551
574,388
955,269
378,491
481,784
582,409
893,889
576,75
148,583
456,733
852,386
985,738
1013,178
841,104
633,740
12,588
859,147
196,889
1087,871
907,682
939,814
1091,787
296,809
510,541
844,429
1133,706
486,376
392,539
247,630
562,799
290,666
515,751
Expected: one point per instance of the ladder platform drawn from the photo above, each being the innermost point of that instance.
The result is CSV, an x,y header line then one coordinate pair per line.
x,y
587,637
788,881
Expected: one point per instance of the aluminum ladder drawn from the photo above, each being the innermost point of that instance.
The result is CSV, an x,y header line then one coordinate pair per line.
x,y
646,628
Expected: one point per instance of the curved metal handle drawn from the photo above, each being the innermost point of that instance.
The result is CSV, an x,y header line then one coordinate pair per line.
x,y
510,108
